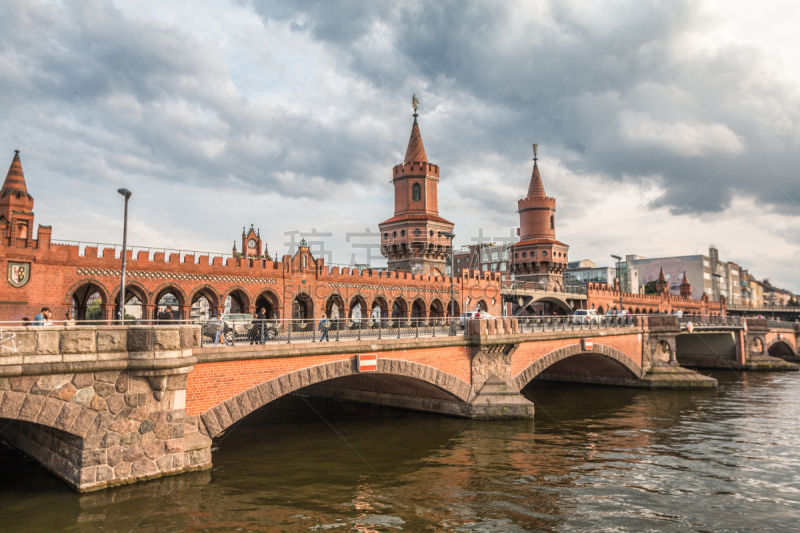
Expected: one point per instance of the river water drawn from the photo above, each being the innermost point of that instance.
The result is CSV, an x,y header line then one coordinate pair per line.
x,y
596,459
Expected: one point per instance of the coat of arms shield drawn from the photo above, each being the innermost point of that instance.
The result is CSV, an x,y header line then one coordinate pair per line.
x,y
19,273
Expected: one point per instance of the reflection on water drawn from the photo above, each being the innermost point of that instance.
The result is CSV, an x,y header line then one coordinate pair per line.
x,y
597,458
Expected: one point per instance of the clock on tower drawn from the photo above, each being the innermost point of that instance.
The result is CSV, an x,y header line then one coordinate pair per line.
x,y
251,244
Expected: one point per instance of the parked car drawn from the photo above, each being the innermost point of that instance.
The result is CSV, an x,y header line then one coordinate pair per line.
x,y
237,324
585,316
472,314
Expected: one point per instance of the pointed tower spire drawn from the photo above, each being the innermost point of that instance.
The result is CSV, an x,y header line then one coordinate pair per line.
x,y
536,188
686,287
661,283
415,150
15,179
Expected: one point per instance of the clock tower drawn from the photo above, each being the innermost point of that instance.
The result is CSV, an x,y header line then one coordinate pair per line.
x,y
251,245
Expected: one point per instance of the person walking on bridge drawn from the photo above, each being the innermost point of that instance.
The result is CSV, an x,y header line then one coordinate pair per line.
x,y
324,327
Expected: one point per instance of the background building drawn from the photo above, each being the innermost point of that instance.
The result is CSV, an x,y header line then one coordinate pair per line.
x,y
699,269
487,257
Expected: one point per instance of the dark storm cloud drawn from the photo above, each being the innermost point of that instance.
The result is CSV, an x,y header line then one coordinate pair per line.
x,y
120,92
618,90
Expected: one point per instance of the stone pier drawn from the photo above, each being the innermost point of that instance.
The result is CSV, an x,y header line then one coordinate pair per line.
x,y
101,406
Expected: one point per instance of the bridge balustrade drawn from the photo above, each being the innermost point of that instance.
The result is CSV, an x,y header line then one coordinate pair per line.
x,y
780,324
711,320
573,323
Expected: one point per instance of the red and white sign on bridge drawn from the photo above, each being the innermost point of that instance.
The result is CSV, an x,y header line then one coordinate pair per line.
x,y
367,362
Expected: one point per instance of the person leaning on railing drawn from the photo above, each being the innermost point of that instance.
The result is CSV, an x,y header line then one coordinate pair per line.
x,y
218,326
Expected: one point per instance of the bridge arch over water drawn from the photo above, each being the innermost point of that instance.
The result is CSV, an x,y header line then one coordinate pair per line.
x,y
614,360
225,414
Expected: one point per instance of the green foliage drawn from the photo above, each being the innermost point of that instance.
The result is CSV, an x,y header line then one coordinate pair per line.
x,y
95,310
650,288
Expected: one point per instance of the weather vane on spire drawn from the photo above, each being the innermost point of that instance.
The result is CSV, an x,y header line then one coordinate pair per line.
x,y
535,146
415,103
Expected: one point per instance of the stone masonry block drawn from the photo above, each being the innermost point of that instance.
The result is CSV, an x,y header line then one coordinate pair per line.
x,y
190,337
49,412
22,383
107,377
83,422
47,341
93,458
112,340
77,341
65,419
25,342
166,339
31,407
12,403
140,340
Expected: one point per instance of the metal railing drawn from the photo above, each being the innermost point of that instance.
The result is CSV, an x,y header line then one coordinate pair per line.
x,y
780,324
712,320
327,330
574,323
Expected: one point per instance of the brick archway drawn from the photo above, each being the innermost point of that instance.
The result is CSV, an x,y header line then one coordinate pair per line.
x,y
536,368
777,341
221,417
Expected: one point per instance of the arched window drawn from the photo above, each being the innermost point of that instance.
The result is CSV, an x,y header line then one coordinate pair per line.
x,y
552,222
416,192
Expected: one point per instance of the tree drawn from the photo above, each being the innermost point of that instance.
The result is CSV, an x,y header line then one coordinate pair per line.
x,y
95,310
650,288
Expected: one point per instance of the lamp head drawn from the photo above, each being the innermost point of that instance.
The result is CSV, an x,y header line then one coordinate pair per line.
x,y
449,235
618,258
125,192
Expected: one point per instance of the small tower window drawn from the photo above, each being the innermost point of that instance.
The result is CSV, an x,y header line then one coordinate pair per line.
x,y
552,222
416,192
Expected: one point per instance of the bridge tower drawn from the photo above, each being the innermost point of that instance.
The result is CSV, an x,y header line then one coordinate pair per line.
x,y
413,239
686,287
662,285
16,207
538,256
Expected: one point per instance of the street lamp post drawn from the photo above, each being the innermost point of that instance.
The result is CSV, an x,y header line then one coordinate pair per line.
x,y
452,236
618,258
127,194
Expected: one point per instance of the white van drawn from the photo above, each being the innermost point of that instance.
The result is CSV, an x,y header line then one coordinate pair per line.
x,y
585,316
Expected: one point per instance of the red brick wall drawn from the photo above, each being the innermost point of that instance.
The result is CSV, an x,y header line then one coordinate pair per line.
x,y
54,271
530,352
212,383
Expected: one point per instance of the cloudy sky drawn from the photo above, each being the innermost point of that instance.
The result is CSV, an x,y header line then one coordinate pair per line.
x,y
663,127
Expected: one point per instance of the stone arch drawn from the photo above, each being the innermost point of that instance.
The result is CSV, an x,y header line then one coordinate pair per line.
x,y
382,302
601,311
399,308
221,417
358,299
780,345
449,309
536,368
273,301
78,294
45,410
77,286
757,345
173,288
302,306
337,299
241,294
135,288
436,309
206,290
419,309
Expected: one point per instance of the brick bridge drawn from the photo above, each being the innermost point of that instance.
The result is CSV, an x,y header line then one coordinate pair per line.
x,y
101,406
